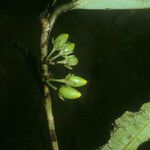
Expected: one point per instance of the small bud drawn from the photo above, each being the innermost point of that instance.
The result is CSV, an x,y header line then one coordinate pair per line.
x,y
69,61
75,81
67,92
60,40
68,49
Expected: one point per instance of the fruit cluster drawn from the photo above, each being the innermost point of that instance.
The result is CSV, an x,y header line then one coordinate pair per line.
x,y
63,48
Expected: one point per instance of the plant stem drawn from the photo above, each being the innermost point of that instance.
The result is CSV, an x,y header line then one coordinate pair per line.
x,y
49,55
45,77
47,22
61,62
53,58
58,80
52,86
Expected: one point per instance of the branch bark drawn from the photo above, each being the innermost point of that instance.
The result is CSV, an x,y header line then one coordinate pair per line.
x,y
47,22
45,77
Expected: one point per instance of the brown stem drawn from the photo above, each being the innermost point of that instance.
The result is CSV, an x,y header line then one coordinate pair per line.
x,y
47,22
45,77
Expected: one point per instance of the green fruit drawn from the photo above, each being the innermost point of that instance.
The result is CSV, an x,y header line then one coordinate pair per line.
x,y
60,40
68,49
75,81
67,92
71,60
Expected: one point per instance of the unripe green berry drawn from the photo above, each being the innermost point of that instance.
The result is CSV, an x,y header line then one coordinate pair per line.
x,y
60,40
75,81
68,49
71,60
67,92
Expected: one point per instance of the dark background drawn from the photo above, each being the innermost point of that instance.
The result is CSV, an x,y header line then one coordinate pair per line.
x,y
113,48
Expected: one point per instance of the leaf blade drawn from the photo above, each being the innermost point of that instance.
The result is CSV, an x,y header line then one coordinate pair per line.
x,y
112,4
130,131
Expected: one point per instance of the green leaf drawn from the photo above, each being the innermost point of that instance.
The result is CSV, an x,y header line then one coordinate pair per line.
x,y
130,131
111,4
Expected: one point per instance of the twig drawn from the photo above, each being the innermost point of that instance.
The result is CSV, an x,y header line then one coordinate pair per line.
x,y
47,22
